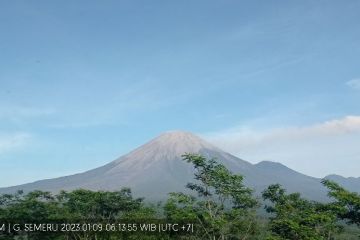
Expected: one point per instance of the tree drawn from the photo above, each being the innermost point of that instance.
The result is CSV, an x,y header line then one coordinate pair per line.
x,y
296,218
347,204
87,206
81,206
223,208
99,205
34,207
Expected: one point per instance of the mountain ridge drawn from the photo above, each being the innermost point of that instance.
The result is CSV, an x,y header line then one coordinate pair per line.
x,y
156,168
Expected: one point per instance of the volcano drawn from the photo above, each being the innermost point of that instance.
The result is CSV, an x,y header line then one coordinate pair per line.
x,y
156,168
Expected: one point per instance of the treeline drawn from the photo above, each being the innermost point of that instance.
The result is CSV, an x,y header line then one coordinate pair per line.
x,y
222,207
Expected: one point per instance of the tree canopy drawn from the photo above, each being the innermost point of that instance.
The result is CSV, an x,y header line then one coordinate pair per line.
x,y
217,204
223,208
347,204
296,218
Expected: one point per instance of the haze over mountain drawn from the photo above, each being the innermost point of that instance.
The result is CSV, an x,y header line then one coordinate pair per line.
x,y
156,168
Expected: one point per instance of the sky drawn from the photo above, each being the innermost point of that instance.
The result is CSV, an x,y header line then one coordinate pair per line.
x,y
84,82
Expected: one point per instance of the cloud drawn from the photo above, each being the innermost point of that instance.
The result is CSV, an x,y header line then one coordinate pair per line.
x,y
316,150
14,141
354,83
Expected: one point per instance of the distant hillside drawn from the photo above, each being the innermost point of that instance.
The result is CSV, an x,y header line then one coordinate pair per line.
x,y
348,183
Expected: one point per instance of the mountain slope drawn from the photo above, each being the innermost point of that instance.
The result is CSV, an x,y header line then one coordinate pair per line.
x,y
151,170
291,180
156,168
348,183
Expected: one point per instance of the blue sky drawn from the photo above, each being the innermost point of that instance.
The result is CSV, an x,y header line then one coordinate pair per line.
x,y
83,82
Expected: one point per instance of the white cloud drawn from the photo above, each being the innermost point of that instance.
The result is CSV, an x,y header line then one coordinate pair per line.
x,y
9,142
354,83
317,150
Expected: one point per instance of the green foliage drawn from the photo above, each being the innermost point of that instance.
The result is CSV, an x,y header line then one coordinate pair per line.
x,y
223,208
350,232
34,207
79,206
86,204
297,218
346,205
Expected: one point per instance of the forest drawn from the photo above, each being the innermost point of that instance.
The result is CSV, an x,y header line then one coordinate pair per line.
x,y
215,206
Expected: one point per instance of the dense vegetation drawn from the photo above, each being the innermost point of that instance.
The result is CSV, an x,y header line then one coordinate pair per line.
x,y
221,207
